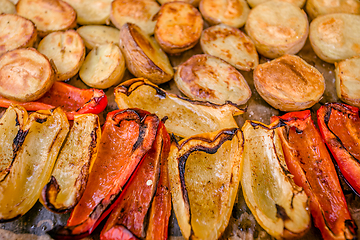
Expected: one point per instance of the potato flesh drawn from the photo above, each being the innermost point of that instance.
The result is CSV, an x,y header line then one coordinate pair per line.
x,y
7,6
95,35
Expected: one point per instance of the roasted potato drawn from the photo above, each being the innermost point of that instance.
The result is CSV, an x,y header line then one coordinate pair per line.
x,y
16,32
66,50
208,78
143,55
299,3
48,15
277,28
178,27
6,6
315,8
230,44
230,12
185,117
335,37
347,78
140,12
91,11
25,75
103,67
204,174
195,3
289,83
69,176
95,35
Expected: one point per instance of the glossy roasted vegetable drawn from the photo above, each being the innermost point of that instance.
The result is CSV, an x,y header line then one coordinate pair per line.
x,y
310,163
279,206
33,153
185,117
126,137
134,202
71,99
204,173
71,171
340,128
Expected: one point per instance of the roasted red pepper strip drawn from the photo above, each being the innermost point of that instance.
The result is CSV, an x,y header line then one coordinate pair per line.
x,y
126,137
309,161
71,99
134,203
340,128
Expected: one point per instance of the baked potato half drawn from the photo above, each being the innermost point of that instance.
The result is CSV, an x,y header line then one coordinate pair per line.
x,y
66,50
289,83
277,28
95,35
143,55
315,8
230,12
139,12
103,67
16,32
335,37
347,79
48,15
230,44
6,6
25,75
183,22
204,173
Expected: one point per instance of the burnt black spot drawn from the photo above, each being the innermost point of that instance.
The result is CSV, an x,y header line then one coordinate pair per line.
x,y
40,120
281,213
141,136
18,140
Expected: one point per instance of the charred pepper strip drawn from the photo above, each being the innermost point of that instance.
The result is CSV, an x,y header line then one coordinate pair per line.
x,y
133,205
71,99
127,136
310,163
340,128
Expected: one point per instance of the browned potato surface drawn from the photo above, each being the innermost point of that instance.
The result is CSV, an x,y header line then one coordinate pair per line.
x,y
6,6
48,15
178,27
195,3
143,55
25,75
289,83
140,12
316,8
254,3
16,32
66,50
95,35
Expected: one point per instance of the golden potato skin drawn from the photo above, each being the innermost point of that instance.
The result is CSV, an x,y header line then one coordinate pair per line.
x,y
25,75
335,37
347,79
139,12
277,28
231,45
6,6
289,83
144,57
254,3
208,78
16,32
195,3
315,8
178,27
95,35
230,12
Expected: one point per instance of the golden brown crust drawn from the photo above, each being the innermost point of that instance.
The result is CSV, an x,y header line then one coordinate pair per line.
x,y
315,8
178,27
289,83
25,74
195,3
17,32
254,3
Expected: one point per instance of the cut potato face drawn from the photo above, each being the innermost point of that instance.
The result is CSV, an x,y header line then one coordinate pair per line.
x,y
204,178
195,3
95,35
91,11
139,12
230,44
289,83
66,50
48,15
230,12
299,3
185,24
16,32
25,75
185,118
347,77
6,6
277,28
143,55
103,67
316,8
208,78
335,37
